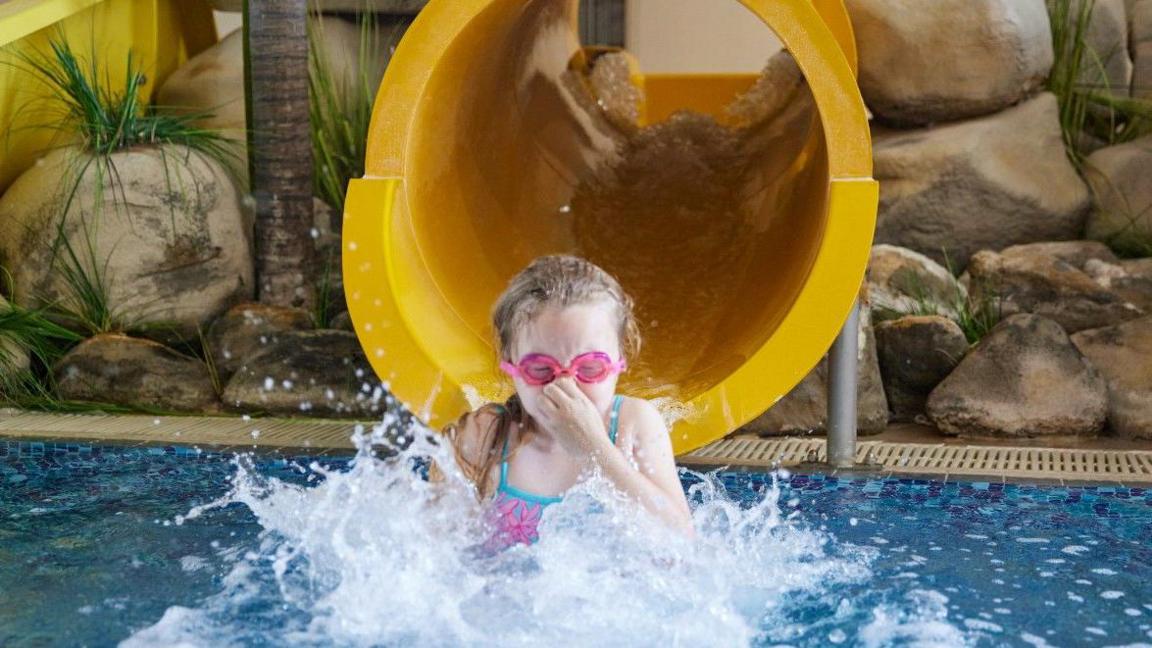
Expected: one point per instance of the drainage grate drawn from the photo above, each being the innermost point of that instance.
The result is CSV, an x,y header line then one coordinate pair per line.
x,y
1127,466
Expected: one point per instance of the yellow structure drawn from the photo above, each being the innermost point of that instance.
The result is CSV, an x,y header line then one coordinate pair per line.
x,y
481,155
161,34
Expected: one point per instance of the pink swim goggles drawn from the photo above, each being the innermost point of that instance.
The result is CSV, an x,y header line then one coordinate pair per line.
x,y
539,369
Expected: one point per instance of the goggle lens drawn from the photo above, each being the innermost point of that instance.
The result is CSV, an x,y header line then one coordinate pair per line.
x,y
592,369
537,371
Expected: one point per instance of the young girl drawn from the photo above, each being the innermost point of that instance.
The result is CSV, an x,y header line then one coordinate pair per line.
x,y
565,329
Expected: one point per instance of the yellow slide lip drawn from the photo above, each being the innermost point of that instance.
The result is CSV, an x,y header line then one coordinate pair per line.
x,y
19,18
408,362
812,323
393,351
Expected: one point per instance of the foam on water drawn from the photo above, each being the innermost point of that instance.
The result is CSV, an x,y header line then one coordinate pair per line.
x,y
376,555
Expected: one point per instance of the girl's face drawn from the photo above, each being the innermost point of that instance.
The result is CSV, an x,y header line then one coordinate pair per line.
x,y
565,333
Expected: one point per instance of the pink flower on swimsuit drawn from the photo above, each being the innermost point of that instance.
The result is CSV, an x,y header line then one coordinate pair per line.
x,y
516,520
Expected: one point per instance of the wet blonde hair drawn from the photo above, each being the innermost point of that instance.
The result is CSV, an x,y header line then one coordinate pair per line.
x,y
554,281
560,281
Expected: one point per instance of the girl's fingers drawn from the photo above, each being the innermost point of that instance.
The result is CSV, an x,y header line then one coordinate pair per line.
x,y
556,393
550,396
556,409
546,416
568,387
576,393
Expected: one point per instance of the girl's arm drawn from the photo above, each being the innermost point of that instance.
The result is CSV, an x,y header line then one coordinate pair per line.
x,y
656,485
654,481
470,440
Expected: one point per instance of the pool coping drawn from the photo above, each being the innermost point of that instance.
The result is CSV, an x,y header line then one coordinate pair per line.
x,y
875,459
216,434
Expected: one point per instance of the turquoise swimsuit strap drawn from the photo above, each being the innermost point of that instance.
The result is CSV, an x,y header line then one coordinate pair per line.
x,y
504,464
613,427
614,418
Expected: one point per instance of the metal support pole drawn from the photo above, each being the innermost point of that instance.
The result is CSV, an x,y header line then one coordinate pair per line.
x,y
602,22
842,378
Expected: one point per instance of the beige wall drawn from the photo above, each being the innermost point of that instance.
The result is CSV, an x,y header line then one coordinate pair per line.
x,y
227,22
697,36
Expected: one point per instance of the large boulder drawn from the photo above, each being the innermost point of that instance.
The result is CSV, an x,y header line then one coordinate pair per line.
x,y
328,277
1140,46
1136,285
981,184
213,80
246,329
1051,279
122,370
1131,279
1121,181
1105,63
962,58
340,55
1024,379
342,322
905,282
1123,354
916,353
318,373
158,232
805,408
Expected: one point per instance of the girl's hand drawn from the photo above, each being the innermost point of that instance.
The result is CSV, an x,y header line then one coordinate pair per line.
x,y
573,418
568,414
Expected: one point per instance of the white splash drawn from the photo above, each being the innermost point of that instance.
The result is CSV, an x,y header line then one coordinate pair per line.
x,y
673,410
376,555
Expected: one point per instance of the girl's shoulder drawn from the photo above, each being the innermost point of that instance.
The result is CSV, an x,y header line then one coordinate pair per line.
x,y
473,437
645,435
474,428
477,421
642,417
637,407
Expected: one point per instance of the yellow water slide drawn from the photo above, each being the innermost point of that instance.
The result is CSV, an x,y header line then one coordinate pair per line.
x,y
743,237
161,34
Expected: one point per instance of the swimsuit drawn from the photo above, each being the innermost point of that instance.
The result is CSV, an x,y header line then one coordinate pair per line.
x,y
516,513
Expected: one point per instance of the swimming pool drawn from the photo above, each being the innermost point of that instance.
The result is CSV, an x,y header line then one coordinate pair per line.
x,y
91,553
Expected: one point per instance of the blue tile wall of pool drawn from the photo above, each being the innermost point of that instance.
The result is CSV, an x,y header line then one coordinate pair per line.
x,y
56,450
26,458
1096,498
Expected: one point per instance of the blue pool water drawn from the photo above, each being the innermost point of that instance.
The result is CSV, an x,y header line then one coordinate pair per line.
x,y
91,553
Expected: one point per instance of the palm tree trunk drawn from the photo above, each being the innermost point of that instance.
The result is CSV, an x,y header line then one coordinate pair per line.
x,y
279,149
